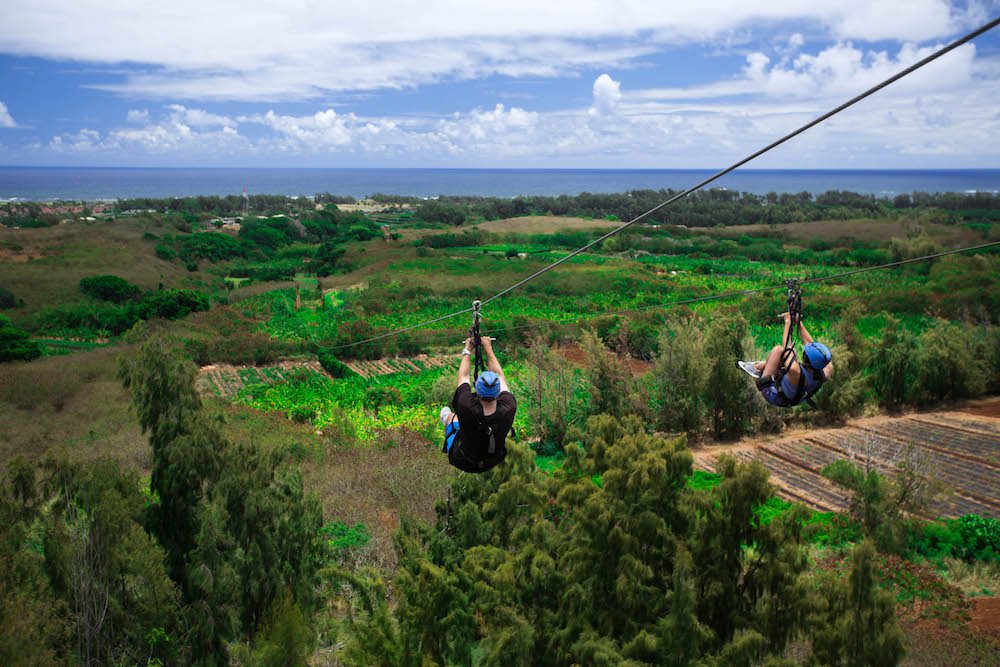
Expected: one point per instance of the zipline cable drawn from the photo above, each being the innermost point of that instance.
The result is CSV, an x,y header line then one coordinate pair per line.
x,y
816,121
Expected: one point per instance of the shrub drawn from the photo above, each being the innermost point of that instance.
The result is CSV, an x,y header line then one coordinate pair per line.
x,y
7,299
302,414
171,304
376,397
109,288
728,395
343,540
681,377
332,365
946,367
16,344
165,252
211,246
980,537
892,363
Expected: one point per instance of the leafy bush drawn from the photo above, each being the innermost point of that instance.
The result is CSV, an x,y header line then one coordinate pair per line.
x,y
376,397
978,538
165,252
7,299
16,344
343,541
302,414
171,304
892,363
946,366
109,288
210,246
269,234
276,269
433,210
334,366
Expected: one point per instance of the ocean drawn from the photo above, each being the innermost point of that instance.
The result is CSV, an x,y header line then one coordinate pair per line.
x,y
86,183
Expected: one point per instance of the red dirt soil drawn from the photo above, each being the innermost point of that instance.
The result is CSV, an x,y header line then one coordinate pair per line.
x,y
574,354
985,616
987,408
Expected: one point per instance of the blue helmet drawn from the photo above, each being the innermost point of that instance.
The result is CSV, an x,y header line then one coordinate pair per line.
x,y
488,385
817,355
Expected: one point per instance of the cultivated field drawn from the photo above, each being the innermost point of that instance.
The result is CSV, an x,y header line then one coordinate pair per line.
x,y
958,449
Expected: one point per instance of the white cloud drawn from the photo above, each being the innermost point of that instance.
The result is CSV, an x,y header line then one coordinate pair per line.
x,y
137,115
183,133
941,117
6,120
301,49
607,94
839,71
198,117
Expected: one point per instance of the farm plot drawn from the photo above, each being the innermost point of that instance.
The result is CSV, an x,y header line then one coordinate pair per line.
x,y
390,365
960,451
227,381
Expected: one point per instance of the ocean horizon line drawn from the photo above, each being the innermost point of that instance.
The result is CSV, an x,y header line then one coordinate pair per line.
x,y
76,183
535,169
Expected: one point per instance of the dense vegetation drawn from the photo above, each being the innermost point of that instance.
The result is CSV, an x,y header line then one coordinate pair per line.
x,y
223,537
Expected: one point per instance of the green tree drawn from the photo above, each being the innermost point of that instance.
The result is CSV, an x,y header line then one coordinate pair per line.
x,y
15,344
857,625
727,393
892,363
681,375
612,388
844,394
946,367
109,288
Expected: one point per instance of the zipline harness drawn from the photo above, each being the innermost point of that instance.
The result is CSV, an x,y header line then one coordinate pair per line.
x,y
788,357
795,318
478,365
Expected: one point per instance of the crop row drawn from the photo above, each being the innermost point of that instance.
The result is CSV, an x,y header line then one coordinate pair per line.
x,y
982,447
391,365
796,484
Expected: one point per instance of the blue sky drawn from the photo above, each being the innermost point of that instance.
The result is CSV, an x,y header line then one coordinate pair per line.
x,y
441,83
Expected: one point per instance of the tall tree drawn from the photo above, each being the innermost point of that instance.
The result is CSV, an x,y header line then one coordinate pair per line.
x,y
728,394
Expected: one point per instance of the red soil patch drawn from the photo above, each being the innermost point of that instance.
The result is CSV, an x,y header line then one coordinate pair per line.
x,y
987,408
985,616
574,354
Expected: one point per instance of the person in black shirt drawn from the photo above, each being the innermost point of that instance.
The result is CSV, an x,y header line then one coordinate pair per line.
x,y
476,425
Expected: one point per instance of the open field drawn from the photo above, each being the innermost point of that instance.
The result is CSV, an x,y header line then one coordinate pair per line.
x,y
60,256
528,224
960,449
881,231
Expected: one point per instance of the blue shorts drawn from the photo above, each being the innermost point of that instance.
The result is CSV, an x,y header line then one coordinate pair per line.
x,y
772,396
450,433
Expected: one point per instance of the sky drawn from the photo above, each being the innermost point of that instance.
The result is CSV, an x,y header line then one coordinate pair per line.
x,y
522,84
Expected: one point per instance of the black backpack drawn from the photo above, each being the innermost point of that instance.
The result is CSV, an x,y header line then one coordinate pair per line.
x,y
495,451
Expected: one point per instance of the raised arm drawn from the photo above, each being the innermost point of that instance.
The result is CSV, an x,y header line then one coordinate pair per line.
x,y
493,364
804,334
466,364
788,325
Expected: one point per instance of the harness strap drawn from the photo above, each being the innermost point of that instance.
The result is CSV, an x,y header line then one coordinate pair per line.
x,y
479,365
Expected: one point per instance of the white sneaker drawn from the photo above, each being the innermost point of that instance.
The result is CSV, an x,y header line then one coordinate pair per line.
x,y
445,415
749,367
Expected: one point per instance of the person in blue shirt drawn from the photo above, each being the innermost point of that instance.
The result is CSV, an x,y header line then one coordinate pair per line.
x,y
800,381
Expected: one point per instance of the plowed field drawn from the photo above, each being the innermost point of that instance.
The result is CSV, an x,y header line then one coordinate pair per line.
x,y
960,450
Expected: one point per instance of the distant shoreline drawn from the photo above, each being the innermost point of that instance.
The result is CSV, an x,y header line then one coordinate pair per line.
x,y
45,184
